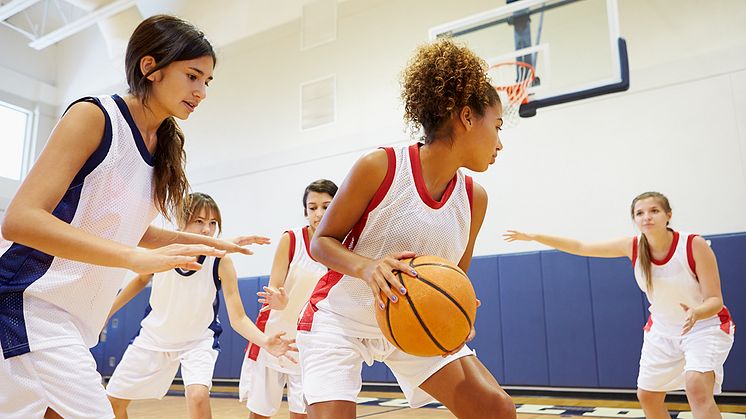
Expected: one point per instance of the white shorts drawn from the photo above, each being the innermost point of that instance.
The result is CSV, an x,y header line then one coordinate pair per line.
x,y
63,378
148,374
332,366
262,387
666,359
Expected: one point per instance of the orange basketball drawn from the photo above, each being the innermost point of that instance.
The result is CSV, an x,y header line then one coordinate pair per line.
x,y
436,314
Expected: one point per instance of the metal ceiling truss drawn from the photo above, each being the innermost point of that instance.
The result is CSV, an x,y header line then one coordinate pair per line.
x,y
46,22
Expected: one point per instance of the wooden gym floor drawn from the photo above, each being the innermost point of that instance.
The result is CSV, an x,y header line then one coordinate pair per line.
x,y
375,405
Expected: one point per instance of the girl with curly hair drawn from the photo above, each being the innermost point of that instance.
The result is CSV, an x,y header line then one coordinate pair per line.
x,y
397,203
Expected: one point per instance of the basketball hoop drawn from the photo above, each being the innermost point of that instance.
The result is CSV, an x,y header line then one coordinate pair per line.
x,y
511,80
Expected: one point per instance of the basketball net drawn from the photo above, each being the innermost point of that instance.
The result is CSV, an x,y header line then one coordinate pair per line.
x,y
511,80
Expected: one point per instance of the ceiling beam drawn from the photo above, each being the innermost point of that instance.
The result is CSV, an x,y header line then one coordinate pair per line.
x,y
84,22
14,7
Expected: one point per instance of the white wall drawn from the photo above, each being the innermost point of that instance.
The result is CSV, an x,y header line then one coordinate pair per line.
x,y
571,170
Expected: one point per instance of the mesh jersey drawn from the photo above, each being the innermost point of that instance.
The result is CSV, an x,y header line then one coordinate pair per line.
x,y
402,216
675,282
47,301
303,274
183,309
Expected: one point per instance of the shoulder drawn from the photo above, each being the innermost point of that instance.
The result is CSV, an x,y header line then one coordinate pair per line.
x,y
376,162
699,245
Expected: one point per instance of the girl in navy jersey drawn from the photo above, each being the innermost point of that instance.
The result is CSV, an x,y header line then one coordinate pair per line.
x,y
74,226
690,332
394,204
294,275
181,325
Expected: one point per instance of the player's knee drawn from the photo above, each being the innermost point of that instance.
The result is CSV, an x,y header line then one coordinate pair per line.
x,y
198,395
497,404
647,397
698,391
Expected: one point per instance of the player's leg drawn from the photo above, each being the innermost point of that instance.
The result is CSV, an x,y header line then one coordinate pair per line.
x,y
467,388
705,351
140,374
331,374
265,393
296,405
197,367
661,370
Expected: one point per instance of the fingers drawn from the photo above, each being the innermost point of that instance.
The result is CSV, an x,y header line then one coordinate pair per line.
x,y
403,255
265,307
244,240
191,250
479,303
684,306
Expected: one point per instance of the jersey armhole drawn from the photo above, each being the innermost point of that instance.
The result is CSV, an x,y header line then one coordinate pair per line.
x,y
470,192
291,252
102,150
216,273
634,251
690,254
387,180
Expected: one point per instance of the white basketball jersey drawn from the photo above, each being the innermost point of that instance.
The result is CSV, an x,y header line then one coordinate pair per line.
x,y
47,301
183,309
303,274
674,283
402,216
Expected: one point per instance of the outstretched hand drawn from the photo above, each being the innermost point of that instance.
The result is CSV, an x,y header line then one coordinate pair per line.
x,y
279,346
183,256
514,235
380,277
236,244
273,299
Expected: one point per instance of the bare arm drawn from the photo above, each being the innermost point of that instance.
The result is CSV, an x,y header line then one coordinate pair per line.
x,y
608,249
709,282
156,237
274,297
348,206
239,321
479,209
29,220
129,292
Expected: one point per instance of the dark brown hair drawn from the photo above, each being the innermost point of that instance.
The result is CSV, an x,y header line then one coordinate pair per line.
x,y
319,186
166,39
643,250
194,204
440,80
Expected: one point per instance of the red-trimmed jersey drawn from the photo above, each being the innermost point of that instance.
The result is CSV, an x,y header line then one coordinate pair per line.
x,y
303,274
402,216
674,283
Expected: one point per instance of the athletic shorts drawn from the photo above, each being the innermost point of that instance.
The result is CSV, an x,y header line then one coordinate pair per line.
x,y
262,388
332,365
148,374
665,360
63,378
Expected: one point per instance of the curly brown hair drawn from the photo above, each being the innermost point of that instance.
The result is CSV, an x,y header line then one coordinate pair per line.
x,y
441,79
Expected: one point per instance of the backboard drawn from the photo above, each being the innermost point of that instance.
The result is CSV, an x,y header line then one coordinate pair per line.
x,y
573,45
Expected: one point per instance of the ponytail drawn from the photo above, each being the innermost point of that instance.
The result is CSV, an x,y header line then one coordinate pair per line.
x,y
171,184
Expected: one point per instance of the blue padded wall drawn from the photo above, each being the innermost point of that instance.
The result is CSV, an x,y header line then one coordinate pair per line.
x,y
547,319
522,320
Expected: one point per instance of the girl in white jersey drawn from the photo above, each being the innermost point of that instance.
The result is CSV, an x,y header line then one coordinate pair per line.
x,y
181,326
72,229
294,275
394,204
689,332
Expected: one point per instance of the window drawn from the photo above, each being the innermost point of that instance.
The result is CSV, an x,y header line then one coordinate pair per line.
x,y
13,134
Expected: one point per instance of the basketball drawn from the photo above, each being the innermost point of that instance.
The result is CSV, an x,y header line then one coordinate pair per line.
x,y
436,314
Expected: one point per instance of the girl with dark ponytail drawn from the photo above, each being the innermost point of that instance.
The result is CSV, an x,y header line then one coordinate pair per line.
x,y
74,227
690,332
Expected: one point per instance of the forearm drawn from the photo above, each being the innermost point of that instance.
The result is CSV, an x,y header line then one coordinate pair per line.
x,y
42,231
331,253
560,243
128,293
709,307
156,237
243,325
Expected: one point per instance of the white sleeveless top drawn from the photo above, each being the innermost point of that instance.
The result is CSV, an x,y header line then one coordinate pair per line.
x,y
303,274
183,309
47,301
675,282
402,216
